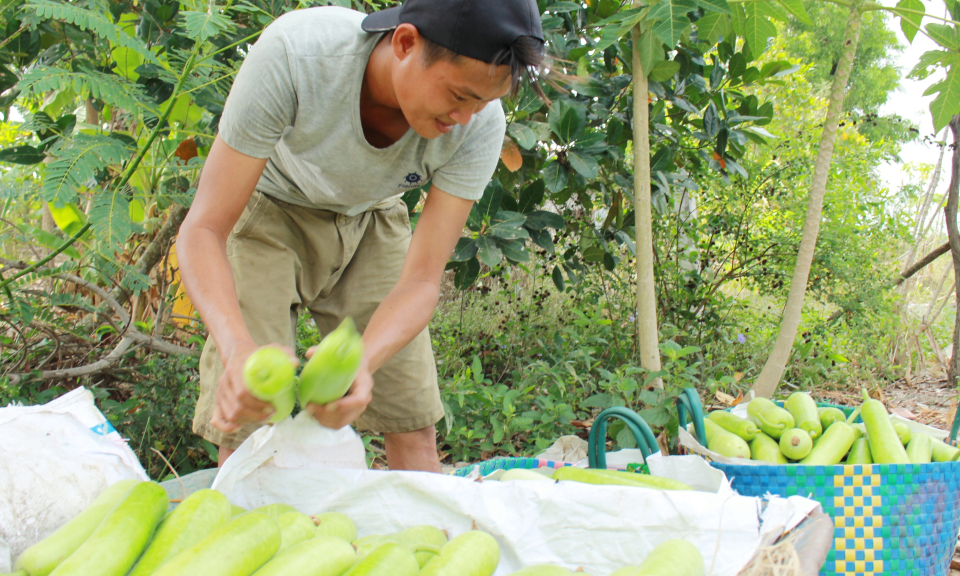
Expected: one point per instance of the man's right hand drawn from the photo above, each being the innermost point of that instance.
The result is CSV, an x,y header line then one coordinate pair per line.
x,y
235,406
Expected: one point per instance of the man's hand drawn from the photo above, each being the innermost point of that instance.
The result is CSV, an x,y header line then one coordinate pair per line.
x,y
340,413
235,405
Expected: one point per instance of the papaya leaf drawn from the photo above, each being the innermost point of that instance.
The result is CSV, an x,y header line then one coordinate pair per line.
x,y
947,104
796,8
944,35
909,22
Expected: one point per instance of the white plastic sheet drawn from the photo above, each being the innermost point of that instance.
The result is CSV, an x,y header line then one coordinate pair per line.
x,y
57,458
600,528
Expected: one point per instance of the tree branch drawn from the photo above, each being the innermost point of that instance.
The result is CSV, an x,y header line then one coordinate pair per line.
x,y
99,366
923,263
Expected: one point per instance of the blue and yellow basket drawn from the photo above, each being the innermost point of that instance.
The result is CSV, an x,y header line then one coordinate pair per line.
x,y
890,519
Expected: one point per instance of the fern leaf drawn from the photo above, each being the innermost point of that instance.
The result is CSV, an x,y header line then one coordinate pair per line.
x,y
99,24
110,217
110,88
77,162
200,26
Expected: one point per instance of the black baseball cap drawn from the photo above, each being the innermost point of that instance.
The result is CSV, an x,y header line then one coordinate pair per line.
x,y
474,28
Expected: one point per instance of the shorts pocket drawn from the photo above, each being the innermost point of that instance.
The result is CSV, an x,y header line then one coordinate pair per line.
x,y
251,215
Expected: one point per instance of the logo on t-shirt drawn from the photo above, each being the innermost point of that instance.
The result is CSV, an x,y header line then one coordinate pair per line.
x,y
411,180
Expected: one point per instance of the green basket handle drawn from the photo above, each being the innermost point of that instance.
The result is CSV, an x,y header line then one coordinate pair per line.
x,y
596,447
954,429
689,401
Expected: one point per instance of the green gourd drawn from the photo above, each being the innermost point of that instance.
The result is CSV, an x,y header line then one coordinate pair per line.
x,y
319,556
942,452
473,553
725,443
386,560
859,452
903,432
333,366
238,548
766,449
735,424
335,524
424,541
920,449
772,419
118,541
234,510
613,477
197,516
796,444
671,558
804,411
832,447
859,429
295,527
885,445
41,558
274,510
829,415
269,375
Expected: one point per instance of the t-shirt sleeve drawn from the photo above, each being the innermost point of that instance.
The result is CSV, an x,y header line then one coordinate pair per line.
x,y
263,99
469,170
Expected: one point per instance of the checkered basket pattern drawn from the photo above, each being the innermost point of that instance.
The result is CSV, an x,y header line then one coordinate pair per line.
x,y
890,519
491,466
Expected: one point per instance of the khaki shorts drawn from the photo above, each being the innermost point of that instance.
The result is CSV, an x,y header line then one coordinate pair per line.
x,y
289,258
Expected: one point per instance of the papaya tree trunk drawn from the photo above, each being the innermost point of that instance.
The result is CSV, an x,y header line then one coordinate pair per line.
x,y
953,236
769,378
646,289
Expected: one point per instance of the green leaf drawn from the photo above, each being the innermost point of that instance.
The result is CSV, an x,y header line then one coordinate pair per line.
x,y
68,217
719,6
555,177
758,29
126,61
523,135
909,22
713,26
651,51
489,203
564,7
944,35
99,24
671,19
739,20
542,239
585,164
557,276
567,121
110,88
465,250
796,8
664,70
26,155
514,250
76,163
110,217
947,104
508,225
200,26
540,219
466,274
531,197
488,251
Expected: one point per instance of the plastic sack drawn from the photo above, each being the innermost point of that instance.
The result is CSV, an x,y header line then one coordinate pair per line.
x,y
57,458
600,528
294,443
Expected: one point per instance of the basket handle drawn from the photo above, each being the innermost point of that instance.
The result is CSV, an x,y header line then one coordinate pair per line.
x,y
954,429
689,401
596,447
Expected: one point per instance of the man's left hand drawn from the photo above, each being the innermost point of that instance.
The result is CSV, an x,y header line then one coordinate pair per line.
x,y
346,410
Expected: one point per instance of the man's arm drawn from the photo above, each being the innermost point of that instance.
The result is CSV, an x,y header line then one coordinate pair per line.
x,y
407,309
226,184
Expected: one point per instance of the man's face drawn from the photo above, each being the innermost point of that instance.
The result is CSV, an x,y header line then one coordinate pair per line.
x,y
435,98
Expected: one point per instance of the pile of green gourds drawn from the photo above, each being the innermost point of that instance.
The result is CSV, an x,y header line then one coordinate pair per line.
x,y
127,531
802,433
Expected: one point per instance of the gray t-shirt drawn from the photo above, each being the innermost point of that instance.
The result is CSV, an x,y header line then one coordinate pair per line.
x,y
296,101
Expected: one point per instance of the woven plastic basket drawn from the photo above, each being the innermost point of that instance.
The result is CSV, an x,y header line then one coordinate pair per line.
x,y
490,466
891,519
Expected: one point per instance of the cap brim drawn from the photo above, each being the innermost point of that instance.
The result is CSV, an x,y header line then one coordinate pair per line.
x,y
382,21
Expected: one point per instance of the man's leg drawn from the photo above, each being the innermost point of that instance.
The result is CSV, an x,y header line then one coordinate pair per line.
x,y
415,450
